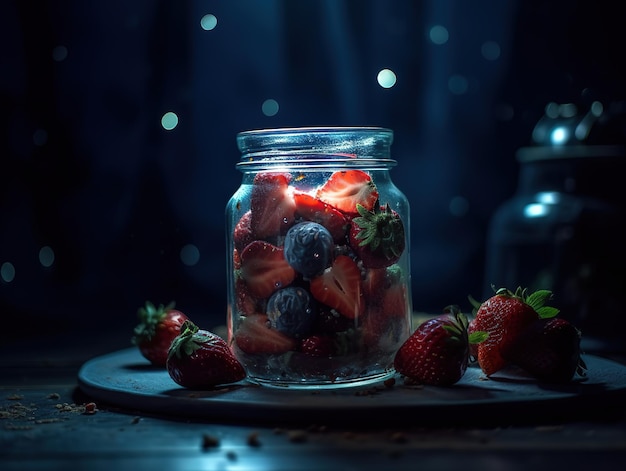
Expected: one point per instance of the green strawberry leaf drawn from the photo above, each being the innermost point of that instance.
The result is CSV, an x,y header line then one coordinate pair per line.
x,y
475,304
453,330
185,343
538,299
547,312
149,318
478,336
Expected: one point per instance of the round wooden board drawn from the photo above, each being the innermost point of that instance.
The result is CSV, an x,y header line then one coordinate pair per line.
x,y
125,379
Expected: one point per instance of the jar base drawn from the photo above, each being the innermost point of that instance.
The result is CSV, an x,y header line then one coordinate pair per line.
x,y
317,384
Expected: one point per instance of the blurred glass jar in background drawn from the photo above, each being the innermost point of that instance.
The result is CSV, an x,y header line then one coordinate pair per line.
x,y
563,229
318,274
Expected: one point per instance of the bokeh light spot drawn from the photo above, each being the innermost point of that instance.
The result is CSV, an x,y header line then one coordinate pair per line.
x,y
46,256
596,109
208,22
552,110
59,53
7,272
169,121
535,210
548,197
269,107
568,110
438,35
458,84
490,50
40,137
386,78
559,135
459,206
189,255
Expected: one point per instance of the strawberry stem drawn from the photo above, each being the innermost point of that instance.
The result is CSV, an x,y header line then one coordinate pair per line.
x,y
185,341
149,317
380,229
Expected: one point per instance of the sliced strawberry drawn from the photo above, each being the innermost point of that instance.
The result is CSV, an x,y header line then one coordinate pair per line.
x,y
271,205
395,301
264,268
313,209
246,303
340,287
347,188
386,322
378,280
236,259
254,335
243,234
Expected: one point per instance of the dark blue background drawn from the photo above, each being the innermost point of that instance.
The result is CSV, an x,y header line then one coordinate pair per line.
x,y
87,169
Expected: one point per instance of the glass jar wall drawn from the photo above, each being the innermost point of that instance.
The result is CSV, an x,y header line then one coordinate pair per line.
x,y
319,291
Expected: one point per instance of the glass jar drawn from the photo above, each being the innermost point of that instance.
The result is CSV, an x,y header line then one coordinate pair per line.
x,y
563,231
318,268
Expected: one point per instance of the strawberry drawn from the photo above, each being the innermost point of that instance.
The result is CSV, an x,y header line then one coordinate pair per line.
x,y
377,236
246,303
243,234
339,287
504,316
385,290
313,209
318,346
377,281
387,300
271,204
548,349
345,189
254,336
437,352
264,268
156,330
200,359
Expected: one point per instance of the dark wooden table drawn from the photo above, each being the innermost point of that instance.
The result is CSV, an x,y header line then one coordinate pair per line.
x,y
47,422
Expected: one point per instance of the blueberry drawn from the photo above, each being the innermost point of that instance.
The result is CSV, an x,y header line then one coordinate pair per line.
x,y
308,248
291,311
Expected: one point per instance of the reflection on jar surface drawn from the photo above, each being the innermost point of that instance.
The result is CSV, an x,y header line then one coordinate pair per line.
x,y
318,267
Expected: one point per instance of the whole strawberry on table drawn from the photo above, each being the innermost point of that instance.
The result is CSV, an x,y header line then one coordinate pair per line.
x,y
525,332
157,328
438,351
199,359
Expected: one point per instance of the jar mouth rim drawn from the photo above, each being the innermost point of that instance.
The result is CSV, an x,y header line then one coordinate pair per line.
x,y
315,129
335,162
